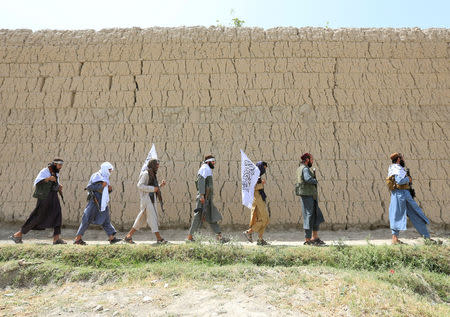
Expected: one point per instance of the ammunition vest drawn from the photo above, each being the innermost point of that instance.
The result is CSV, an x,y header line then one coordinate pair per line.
x,y
302,188
392,184
42,190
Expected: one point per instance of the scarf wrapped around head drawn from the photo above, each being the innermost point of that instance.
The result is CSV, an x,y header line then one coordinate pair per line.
x,y
262,170
104,172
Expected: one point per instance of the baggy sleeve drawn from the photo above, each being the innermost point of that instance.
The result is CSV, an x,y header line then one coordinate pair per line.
x,y
201,183
308,177
142,184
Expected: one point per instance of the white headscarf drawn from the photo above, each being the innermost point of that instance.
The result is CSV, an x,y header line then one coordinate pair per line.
x,y
43,174
104,170
103,176
396,169
205,171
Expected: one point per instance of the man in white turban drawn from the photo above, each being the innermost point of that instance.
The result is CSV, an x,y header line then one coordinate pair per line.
x,y
97,210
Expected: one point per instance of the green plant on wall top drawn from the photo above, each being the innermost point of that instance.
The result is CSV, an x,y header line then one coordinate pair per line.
x,y
235,21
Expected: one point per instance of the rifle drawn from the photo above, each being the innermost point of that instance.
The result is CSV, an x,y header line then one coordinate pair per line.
x,y
201,210
52,172
92,195
161,203
62,196
411,189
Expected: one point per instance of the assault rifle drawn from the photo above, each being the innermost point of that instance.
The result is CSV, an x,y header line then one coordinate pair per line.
x,y
59,190
411,189
161,203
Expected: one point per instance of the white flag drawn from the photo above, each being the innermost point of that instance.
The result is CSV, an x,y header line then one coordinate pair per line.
x,y
151,155
249,175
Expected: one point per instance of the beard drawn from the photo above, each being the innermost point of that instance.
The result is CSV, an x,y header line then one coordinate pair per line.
x,y
402,163
54,169
210,165
309,164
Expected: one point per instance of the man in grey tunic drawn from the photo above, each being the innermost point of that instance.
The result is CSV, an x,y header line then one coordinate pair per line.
x,y
306,188
205,209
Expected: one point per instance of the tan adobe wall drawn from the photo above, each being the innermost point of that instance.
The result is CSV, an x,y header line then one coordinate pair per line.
x,y
350,96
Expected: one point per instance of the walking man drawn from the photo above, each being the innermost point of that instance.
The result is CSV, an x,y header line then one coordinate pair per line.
x,y
402,203
205,209
259,215
149,190
97,209
47,213
306,188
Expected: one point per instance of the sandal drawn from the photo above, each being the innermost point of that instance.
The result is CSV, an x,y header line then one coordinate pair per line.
x,y
429,241
248,236
79,242
399,242
114,240
16,239
162,241
59,241
309,242
129,240
190,240
224,240
318,242
262,242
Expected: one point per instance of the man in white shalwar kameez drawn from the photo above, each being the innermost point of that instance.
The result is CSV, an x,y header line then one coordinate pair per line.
x,y
149,191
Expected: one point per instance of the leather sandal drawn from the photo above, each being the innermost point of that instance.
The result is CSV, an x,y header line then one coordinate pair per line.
x,y
80,242
129,240
16,240
114,240
248,236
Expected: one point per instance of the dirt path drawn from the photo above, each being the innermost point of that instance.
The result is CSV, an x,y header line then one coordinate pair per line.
x,y
288,237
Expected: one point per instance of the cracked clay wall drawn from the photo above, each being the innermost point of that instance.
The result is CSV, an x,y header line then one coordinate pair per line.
x,y
351,97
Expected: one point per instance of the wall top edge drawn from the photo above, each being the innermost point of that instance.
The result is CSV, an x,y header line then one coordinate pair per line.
x,y
219,34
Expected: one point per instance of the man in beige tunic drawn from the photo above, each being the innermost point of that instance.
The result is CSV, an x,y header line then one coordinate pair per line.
x,y
149,190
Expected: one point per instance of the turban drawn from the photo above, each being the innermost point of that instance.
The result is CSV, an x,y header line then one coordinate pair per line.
x,y
395,156
305,156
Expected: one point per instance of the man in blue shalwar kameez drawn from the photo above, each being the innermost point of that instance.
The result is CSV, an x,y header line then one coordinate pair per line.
x,y
402,203
97,210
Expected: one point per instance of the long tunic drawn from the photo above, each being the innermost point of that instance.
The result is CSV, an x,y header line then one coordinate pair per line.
x,y
148,210
92,213
47,213
312,215
259,216
205,187
401,204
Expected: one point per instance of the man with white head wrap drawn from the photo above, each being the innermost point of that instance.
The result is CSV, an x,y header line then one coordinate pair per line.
x,y
402,203
47,213
205,210
97,210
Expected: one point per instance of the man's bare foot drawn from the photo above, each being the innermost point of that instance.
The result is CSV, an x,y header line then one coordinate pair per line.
x,y
395,240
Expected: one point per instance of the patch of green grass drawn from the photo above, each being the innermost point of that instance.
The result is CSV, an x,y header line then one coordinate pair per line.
x,y
372,258
424,270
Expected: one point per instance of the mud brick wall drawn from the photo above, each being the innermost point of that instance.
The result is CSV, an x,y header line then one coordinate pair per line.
x,y
351,97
